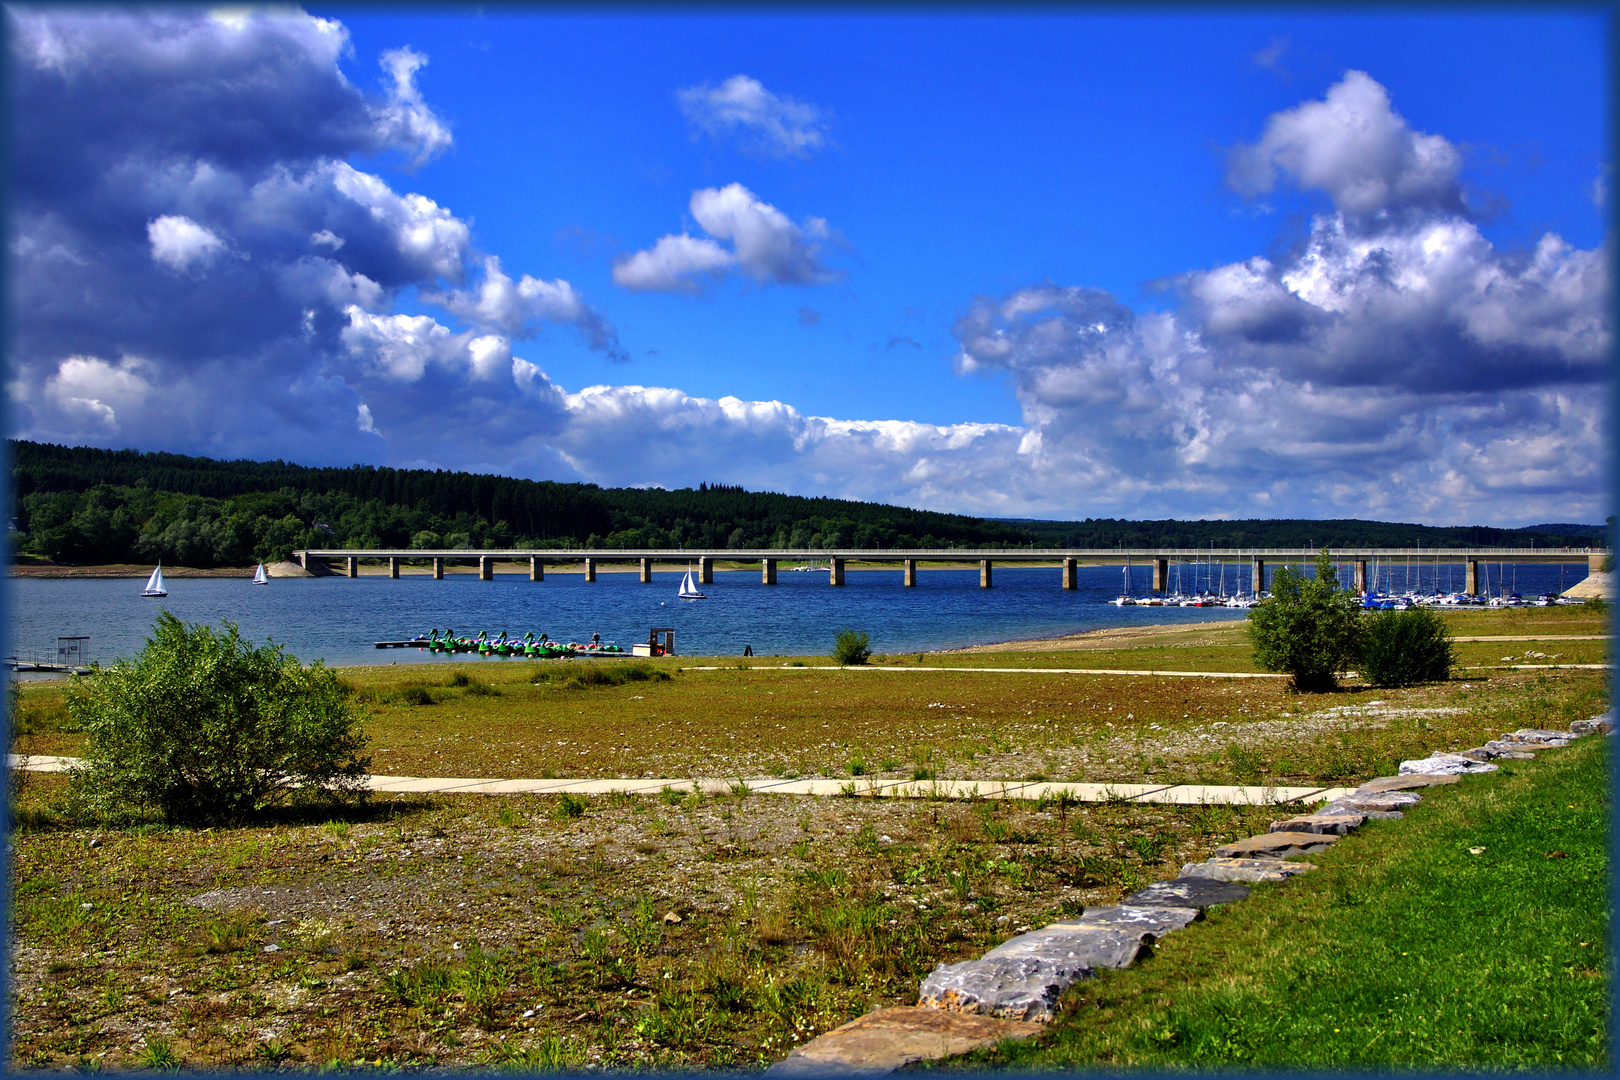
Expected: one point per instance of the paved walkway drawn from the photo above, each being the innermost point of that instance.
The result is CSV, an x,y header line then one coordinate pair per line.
x,y
1003,670
871,787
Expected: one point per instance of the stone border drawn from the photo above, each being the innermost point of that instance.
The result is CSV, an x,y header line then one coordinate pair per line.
x,y
1013,989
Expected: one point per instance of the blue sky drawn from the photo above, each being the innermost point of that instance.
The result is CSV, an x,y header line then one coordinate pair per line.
x,y
1059,264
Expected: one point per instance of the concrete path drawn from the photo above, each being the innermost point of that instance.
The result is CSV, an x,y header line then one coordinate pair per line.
x,y
865,787
1009,671
1537,637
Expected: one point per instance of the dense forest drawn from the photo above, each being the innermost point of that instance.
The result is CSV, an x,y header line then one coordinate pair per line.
x,y
86,505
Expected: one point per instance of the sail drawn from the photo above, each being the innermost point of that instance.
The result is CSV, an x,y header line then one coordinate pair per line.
x,y
154,584
260,577
689,589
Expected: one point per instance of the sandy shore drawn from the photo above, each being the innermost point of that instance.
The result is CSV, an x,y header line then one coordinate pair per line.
x,y
1107,638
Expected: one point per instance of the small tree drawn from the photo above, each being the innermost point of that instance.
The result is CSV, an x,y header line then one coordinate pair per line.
x,y
850,647
1309,628
206,728
1400,648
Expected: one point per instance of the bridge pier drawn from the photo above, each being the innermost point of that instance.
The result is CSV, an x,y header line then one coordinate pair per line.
x,y
767,571
303,559
646,571
1361,575
537,569
1161,574
911,573
438,568
590,569
486,568
354,566
1258,581
393,567
705,570
837,575
1594,563
984,573
1471,577
1071,578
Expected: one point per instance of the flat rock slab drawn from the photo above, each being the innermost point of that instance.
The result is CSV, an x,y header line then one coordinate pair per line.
x,y
1092,946
1277,845
1496,748
1022,979
1150,922
1009,987
1245,869
1404,783
1598,725
1343,806
1538,734
1338,824
888,1039
1445,765
1192,892
1380,800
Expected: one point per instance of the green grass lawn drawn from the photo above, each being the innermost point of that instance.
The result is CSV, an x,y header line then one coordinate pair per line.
x,y
1473,933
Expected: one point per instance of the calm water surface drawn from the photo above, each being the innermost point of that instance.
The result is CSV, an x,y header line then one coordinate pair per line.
x,y
337,619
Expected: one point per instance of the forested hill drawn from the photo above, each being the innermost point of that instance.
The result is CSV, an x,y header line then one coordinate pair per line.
x,y
83,505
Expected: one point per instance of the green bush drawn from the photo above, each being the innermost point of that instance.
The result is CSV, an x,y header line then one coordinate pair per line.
x,y
850,647
1400,648
205,728
1309,628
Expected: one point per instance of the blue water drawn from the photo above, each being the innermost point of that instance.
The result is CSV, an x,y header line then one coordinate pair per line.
x,y
337,619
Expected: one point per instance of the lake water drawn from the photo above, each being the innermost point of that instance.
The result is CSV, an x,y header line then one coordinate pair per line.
x,y
337,619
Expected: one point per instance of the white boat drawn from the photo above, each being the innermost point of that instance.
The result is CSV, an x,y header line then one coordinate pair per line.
x,y
260,577
689,589
154,584
1124,599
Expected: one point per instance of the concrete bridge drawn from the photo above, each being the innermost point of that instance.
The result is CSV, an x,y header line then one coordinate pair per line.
x,y
1362,560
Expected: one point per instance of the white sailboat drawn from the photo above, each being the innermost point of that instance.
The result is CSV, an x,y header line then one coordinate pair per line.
x,y
260,577
1124,599
154,584
689,589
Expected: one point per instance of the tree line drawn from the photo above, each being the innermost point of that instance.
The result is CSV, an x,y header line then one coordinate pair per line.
x,y
88,505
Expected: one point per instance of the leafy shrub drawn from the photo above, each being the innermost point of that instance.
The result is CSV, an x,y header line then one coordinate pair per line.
x,y
206,728
568,806
1309,627
1400,648
850,647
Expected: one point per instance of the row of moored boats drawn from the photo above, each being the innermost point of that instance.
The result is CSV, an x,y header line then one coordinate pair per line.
x,y
539,648
1369,601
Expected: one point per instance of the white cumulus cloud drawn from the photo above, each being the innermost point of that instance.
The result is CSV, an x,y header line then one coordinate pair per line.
x,y
1357,148
181,244
515,308
766,245
766,124
405,119
671,265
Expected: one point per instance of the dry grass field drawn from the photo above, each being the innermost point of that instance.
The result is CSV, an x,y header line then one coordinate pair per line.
x,y
681,929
